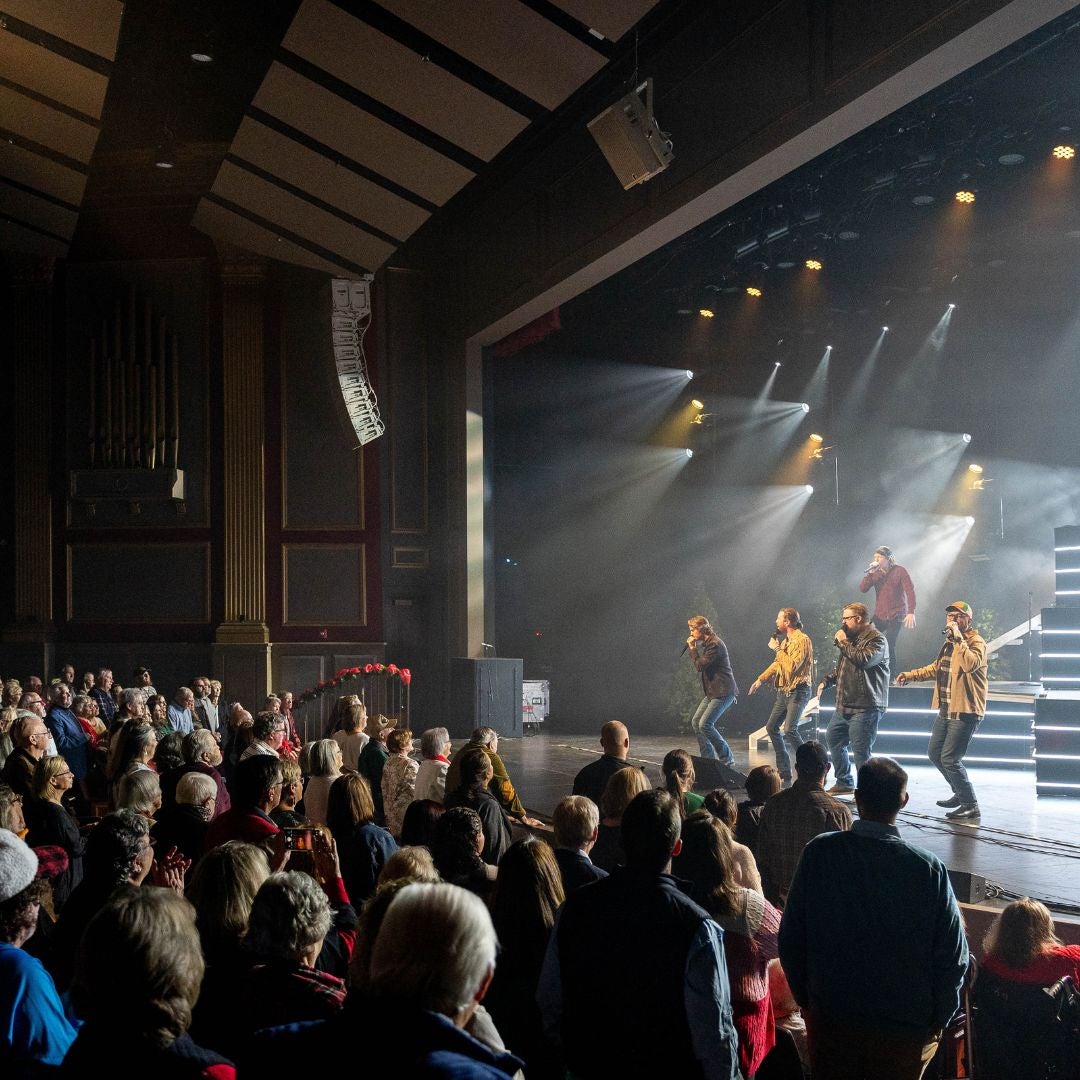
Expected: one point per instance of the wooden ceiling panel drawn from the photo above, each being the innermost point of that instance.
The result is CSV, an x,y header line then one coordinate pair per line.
x,y
323,178
332,39
45,125
294,215
612,20
24,206
41,173
52,75
93,25
359,135
509,40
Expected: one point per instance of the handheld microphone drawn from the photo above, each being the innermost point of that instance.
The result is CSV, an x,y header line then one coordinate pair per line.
x,y
870,569
684,648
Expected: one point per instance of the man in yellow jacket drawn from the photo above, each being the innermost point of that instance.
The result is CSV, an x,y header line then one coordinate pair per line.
x,y
960,682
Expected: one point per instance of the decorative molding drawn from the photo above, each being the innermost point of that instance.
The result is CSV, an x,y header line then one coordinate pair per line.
x,y
409,558
360,550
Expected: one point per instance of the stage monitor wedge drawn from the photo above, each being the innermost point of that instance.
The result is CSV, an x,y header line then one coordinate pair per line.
x,y
630,138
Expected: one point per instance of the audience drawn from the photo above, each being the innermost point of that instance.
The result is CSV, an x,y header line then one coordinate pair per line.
x,y
677,770
721,804
363,847
501,787
256,786
398,778
324,761
418,825
29,737
435,747
576,823
475,773
592,780
623,787
50,821
373,760
286,815
415,863
761,784
457,846
181,713
183,824
68,734
268,734
140,791
202,754
351,736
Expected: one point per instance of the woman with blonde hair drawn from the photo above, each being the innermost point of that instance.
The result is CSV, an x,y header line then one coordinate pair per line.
x,y
620,791
51,823
415,863
351,737
324,761
1021,946
398,779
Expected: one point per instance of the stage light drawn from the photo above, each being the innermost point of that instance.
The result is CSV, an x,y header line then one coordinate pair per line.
x,y
952,307
809,489
698,404
966,437
805,407
705,313
816,438
689,373
828,348
976,469
202,58
965,196
970,520
1064,153
752,290
688,452
777,364
884,329
813,264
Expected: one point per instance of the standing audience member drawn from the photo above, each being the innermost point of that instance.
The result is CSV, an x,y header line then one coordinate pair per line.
x,y
133,745
286,815
102,694
144,681
623,787
205,711
203,755
457,847
677,770
363,846
667,1004
351,737
30,737
51,822
292,735
398,778
256,788
762,783
181,712
183,824
865,1018
140,791
793,818
502,787
576,822
593,778
324,760
268,730
373,760
476,773
435,747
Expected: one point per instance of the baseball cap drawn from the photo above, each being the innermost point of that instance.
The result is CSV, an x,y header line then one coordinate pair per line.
x,y
959,605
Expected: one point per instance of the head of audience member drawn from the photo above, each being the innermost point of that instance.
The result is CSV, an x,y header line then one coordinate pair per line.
x,y
29,733
348,806
292,785
140,791
83,706
379,728
677,769
289,920
324,758
33,684
272,704
354,718
1022,933
215,690
223,887
722,805
52,779
286,697
707,861
435,742
157,711
199,747
11,810
32,701
370,923
763,782
885,793
198,790
139,967
7,718
486,737
86,683
132,704
615,740
104,679
399,741
118,851
256,783
418,824
21,890
622,787
170,751
576,821
435,951
269,728
134,743
12,693
528,892
415,863
458,842
67,674
812,763
474,770
142,677
60,695
651,826
200,687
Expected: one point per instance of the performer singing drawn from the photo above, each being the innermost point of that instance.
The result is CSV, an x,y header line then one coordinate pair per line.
x,y
709,655
792,669
894,604
960,684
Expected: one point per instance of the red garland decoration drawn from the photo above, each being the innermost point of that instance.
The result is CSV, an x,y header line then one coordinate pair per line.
x,y
353,674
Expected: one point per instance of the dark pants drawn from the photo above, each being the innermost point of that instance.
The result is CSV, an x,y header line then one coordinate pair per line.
x,y
891,629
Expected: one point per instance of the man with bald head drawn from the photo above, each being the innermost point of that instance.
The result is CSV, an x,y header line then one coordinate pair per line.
x,y
30,737
615,741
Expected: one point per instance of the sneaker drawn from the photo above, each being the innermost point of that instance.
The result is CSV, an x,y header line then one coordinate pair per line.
x,y
840,789
966,812
951,801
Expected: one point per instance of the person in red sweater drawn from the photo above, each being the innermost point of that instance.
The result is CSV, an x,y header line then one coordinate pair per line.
x,y
894,604
256,790
1022,947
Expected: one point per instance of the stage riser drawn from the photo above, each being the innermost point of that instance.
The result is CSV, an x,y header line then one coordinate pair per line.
x,y
1057,755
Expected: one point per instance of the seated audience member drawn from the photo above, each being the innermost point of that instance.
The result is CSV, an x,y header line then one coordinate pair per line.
x,y
34,1030
398,778
750,924
677,770
761,784
181,713
324,761
457,846
7,718
721,804
50,821
363,847
68,734
615,742
501,787
418,824
268,731
623,787
415,863
137,978
351,737
527,895
256,786
202,754
435,747
183,825
576,822
1016,1030
373,760
286,815
476,773
29,737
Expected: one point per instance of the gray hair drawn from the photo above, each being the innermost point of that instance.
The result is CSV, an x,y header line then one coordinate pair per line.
x,y
131,697
434,741
196,743
139,791
434,949
290,914
575,821
322,758
485,736
56,689
79,702
194,788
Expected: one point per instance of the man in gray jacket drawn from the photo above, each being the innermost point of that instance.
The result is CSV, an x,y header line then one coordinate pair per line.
x,y
861,676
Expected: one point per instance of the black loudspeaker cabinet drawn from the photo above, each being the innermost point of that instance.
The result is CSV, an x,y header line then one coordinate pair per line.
x,y
713,774
485,693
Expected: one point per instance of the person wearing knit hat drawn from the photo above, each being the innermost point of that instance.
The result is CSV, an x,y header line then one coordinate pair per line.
x,y
33,1028
894,604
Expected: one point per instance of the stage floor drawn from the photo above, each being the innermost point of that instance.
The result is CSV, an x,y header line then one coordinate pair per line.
x,y
1026,845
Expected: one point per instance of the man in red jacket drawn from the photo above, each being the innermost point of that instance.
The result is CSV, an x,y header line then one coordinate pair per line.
x,y
894,606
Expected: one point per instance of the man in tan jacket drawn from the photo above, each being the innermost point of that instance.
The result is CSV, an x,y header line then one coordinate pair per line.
x,y
960,681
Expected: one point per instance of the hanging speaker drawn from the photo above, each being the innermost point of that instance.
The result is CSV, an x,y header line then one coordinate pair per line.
x,y
630,139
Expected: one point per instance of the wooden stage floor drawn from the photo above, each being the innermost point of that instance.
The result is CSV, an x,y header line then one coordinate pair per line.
x,y
1025,845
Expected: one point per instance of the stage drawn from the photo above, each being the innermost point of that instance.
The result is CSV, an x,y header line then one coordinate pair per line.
x,y
1026,845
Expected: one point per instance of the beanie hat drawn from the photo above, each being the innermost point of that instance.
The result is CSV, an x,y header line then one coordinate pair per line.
x,y
18,865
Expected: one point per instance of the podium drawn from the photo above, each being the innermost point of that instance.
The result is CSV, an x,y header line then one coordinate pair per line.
x,y
485,693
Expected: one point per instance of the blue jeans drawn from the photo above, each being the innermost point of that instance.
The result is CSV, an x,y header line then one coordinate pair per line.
x,y
860,730
782,725
710,742
949,741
